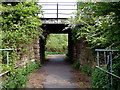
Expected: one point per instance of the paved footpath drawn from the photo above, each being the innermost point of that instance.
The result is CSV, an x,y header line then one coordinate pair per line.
x,y
59,73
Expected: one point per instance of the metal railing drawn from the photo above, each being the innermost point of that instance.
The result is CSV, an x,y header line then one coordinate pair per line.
x,y
7,59
57,7
108,60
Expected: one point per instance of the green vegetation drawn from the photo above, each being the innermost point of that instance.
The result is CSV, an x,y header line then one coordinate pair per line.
x,y
76,65
57,44
51,53
20,25
17,78
98,23
100,79
86,69
116,70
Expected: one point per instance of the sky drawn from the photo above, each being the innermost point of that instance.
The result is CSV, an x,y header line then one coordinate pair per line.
x,y
62,13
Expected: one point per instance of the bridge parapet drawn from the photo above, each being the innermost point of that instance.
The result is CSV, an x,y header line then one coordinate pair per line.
x,y
58,9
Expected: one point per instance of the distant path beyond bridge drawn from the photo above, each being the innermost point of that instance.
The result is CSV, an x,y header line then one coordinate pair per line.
x,y
59,73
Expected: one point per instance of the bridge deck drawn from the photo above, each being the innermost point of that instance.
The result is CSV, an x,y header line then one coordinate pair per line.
x,y
54,20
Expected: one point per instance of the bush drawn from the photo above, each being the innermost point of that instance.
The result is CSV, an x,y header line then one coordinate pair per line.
x,y
20,24
100,79
86,69
17,78
98,23
76,65
116,69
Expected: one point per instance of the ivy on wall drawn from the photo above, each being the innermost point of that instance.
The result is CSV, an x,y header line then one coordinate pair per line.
x,y
20,25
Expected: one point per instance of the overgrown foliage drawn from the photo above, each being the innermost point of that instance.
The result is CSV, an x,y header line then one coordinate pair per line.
x,y
57,43
86,69
17,78
116,70
20,26
99,24
76,65
100,79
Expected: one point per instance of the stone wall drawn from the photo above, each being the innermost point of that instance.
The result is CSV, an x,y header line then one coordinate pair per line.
x,y
82,53
32,54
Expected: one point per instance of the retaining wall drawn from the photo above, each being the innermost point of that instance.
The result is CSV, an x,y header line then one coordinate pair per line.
x,y
82,53
32,54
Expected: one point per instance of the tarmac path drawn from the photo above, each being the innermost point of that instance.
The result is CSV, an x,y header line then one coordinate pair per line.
x,y
59,73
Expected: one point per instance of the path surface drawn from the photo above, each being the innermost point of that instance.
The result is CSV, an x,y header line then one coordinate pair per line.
x,y
59,73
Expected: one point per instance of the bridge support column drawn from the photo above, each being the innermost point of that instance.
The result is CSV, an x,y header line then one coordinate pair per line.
x,y
70,46
42,46
42,50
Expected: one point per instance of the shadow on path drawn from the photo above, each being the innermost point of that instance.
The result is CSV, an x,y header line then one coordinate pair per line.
x,y
59,73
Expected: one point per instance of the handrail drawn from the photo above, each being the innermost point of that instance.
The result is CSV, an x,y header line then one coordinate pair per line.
x,y
7,54
60,13
60,6
59,9
108,72
106,50
6,49
3,73
110,59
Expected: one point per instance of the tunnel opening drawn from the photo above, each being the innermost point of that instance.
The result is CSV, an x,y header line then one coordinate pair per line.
x,y
55,29
56,44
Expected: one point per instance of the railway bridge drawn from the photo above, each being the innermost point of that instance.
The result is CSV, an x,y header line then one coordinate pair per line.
x,y
55,19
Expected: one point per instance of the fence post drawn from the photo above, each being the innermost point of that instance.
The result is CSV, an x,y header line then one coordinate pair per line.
x,y
7,58
111,67
98,62
105,57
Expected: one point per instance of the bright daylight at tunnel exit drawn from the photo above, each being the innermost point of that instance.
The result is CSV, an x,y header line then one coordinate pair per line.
x,y
72,44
